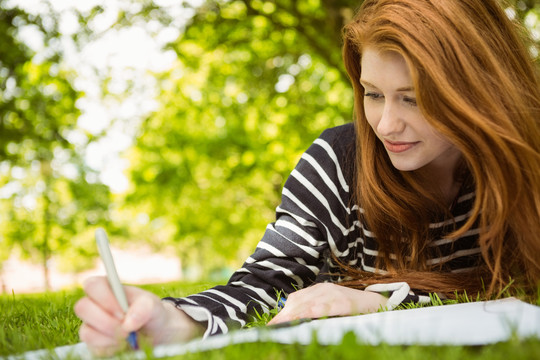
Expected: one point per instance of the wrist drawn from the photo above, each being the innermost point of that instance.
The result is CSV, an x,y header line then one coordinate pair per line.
x,y
179,327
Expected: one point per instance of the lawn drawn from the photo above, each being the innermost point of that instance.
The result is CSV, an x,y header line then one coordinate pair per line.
x,y
37,321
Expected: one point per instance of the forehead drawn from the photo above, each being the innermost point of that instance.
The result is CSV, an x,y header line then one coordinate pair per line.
x,y
384,69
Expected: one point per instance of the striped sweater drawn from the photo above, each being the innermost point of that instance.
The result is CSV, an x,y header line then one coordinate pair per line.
x,y
316,219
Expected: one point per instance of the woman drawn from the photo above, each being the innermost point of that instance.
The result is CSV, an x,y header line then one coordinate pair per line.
x,y
436,187
479,92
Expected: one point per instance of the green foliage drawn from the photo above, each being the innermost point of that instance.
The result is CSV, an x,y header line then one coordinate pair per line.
x,y
47,196
254,84
247,96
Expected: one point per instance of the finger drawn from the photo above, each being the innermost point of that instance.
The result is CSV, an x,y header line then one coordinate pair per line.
x,y
304,304
99,291
141,310
275,320
95,316
285,315
98,343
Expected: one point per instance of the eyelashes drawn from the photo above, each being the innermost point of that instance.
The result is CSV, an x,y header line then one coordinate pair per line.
x,y
373,96
409,100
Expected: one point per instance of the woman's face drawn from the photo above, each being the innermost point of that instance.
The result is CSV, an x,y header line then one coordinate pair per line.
x,y
391,110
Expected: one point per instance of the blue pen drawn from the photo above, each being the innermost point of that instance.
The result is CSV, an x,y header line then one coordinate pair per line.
x,y
114,281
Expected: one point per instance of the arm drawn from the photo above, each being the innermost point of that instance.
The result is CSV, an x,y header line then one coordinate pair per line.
x,y
312,218
329,299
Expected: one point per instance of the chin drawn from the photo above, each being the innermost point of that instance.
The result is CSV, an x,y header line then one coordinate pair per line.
x,y
401,166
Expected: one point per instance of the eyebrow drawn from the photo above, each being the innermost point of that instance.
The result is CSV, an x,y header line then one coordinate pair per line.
x,y
405,88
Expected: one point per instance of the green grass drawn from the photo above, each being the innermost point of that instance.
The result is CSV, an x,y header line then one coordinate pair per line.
x,y
38,321
349,349
30,322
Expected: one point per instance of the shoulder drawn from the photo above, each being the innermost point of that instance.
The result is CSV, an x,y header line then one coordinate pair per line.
x,y
339,140
339,135
338,144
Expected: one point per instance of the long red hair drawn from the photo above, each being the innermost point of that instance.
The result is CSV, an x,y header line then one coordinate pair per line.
x,y
477,84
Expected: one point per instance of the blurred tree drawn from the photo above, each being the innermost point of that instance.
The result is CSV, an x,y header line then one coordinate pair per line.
x,y
255,82
252,88
48,197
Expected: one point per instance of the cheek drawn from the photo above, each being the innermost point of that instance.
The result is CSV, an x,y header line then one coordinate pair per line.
x,y
446,146
439,142
421,126
372,116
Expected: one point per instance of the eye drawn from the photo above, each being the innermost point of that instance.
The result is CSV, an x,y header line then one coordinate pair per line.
x,y
409,101
373,96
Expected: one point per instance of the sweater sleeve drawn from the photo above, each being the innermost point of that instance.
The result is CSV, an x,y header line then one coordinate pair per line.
x,y
312,218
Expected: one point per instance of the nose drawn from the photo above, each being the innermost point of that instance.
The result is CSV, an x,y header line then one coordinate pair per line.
x,y
390,121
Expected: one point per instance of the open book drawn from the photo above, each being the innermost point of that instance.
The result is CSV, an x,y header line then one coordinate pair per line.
x,y
476,323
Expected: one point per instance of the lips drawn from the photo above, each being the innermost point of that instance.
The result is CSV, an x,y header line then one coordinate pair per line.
x,y
398,146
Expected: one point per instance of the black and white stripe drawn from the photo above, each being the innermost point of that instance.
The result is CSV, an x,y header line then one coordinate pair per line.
x,y
315,218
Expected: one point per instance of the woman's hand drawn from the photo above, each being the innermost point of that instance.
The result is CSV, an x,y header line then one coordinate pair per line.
x,y
328,299
105,326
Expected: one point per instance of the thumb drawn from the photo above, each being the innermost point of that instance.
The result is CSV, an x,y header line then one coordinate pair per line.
x,y
139,313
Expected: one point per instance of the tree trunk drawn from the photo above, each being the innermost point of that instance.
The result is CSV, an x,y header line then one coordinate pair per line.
x,y
46,171
4,288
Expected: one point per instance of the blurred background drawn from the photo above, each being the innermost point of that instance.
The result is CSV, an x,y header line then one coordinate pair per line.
x,y
172,124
